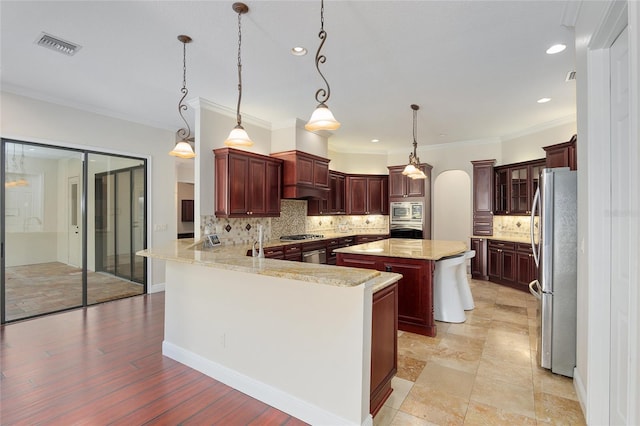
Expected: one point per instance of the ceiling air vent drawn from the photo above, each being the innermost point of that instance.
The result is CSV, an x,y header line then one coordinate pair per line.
x,y
571,75
59,45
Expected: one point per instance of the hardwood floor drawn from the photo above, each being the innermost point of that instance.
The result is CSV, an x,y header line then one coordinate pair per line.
x,y
103,365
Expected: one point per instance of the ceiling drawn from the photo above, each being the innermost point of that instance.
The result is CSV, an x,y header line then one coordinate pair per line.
x,y
475,68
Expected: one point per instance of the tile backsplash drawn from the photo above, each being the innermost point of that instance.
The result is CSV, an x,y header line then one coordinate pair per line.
x,y
513,226
293,220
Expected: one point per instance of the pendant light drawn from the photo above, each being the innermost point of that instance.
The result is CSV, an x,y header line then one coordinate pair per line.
x,y
183,147
239,136
413,168
322,118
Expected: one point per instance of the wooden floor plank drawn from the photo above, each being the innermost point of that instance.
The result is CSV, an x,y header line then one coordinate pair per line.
x,y
104,364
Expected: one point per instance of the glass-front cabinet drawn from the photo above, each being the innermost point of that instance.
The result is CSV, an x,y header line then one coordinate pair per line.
x,y
515,186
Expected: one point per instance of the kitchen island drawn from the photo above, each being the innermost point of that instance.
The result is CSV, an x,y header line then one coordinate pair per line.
x,y
297,336
415,260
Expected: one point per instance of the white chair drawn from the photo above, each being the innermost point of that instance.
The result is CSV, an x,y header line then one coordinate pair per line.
x,y
447,305
463,282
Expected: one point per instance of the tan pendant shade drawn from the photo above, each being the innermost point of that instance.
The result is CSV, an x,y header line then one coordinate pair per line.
x,y
322,119
183,150
238,137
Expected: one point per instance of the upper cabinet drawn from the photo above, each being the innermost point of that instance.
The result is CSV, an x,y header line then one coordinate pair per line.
x,y
515,185
304,175
335,203
247,184
401,186
483,197
367,194
562,154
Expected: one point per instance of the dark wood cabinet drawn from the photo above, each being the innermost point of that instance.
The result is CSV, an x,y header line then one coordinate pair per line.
x,y
515,185
483,197
479,261
367,194
304,175
273,252
367,238
335,203
401,186
415,288
247,184
562,154
384,345
293,252
336,243
501,262
526,266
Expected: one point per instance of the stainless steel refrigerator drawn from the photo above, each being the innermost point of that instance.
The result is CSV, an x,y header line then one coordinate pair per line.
x,y
555,247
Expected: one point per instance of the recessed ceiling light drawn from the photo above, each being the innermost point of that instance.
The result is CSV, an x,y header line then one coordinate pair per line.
x,y
543,100
556,48
375,140
298,51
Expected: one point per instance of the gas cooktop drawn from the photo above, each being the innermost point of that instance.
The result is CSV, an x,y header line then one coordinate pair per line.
x,y
300,237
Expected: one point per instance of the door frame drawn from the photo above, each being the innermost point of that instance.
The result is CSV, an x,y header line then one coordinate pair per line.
x,y
594,130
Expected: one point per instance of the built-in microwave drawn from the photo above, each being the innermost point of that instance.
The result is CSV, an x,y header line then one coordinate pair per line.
x,y
406,212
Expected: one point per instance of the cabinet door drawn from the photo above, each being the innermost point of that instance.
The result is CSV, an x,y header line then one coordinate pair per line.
x,y
273,194
257,200
238,184
357,187
525,272
501,195
494,264
384,344
339,194
320,174
479,261
360,262
376,194
397,184
413,304
483,197
509,266
415,187
519,182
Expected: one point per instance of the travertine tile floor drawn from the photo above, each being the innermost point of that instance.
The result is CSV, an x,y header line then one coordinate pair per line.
x,y
483,371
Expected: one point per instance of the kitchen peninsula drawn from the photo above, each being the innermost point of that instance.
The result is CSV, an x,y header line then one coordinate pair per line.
x,y
297,336
415,260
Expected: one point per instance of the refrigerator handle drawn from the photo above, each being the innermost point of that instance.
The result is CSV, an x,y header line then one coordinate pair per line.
x,y
537,293
535,249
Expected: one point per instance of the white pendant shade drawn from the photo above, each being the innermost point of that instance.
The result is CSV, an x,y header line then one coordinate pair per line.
x,y
409,170
238,137
419,174
183,150
322,119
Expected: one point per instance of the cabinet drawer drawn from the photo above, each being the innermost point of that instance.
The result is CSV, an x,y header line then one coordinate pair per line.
x,y
524,248
502,245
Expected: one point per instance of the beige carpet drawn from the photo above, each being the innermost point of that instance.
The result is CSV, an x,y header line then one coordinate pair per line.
x,y
49,287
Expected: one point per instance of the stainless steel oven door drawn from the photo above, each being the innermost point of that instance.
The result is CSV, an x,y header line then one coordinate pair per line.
x,y
315,256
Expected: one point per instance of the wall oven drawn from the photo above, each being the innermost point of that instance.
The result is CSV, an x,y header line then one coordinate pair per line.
x,y
406,219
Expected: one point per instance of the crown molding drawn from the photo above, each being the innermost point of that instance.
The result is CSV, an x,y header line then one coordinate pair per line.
x,y
540,127
228,112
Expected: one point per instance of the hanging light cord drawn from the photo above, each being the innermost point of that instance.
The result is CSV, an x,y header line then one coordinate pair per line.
x,y
413,157
238,116
184,133
322,95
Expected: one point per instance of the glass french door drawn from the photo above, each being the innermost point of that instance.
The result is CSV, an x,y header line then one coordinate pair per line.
x,y
72,221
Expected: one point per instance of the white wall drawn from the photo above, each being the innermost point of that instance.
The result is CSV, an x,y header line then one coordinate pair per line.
x,y
528,146
358,163
29,119
452,211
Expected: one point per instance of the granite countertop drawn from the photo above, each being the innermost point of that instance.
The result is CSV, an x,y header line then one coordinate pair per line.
x,y
408,248
520,239
234,258
325,236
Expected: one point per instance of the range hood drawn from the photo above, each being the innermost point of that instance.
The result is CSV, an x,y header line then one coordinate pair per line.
x,y
304,175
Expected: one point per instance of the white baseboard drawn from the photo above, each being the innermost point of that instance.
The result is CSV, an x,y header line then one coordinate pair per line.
x,y
155,288
578,385
276,398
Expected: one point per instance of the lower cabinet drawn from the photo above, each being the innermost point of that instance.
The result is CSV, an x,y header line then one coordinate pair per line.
x,y
361,239
337,243
479,261
415,288
502,262
384,345
510,264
